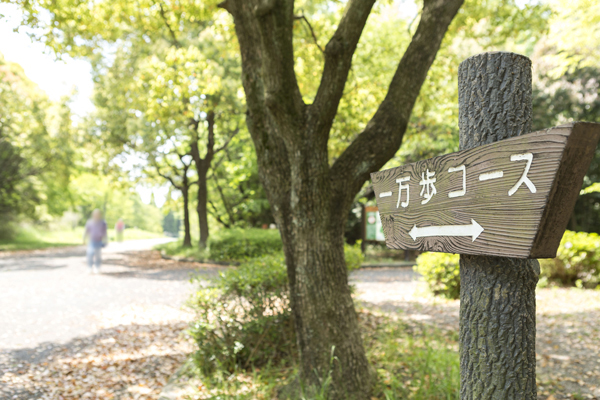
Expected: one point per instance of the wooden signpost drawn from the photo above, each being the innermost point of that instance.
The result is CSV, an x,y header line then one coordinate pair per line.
x,y
511,198
501,202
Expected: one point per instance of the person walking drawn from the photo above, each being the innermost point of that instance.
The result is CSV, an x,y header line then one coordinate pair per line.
x,y
119,228
95,230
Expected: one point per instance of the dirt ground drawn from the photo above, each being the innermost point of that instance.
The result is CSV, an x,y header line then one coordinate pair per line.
x,y
67,334
137,347
568,327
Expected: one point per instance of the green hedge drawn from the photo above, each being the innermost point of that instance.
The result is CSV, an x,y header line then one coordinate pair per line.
x,y
441,273
244,321
577,261
242,244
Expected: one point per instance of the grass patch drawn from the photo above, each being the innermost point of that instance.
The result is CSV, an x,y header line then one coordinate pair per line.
x,y
412,362
176,249
229,245
32,238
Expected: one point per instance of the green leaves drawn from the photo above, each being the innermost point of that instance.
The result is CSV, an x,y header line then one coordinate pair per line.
x,y
573,37
441,272
37,148
179,86
577,261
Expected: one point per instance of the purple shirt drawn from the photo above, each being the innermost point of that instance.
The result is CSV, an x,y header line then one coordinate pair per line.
x,y
96,230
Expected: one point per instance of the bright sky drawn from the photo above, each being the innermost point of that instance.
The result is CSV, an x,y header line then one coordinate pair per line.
x,y
57,78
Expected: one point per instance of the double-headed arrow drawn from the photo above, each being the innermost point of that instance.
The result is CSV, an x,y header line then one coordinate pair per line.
x,y
473,230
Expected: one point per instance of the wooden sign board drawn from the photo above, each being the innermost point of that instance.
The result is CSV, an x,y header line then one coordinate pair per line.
x,y
511,198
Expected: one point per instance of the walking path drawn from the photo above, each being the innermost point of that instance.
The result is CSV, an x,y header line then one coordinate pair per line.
x,y
53,298
68,334
54,314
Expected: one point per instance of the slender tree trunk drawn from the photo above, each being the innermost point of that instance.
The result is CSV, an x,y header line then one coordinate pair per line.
x,y
202,167
187,236
497,295
202,208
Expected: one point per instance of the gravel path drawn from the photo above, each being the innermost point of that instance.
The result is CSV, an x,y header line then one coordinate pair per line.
x,y
53,298
55,314
65,330
568,327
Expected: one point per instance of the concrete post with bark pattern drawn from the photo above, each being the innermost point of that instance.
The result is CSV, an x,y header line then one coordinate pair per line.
x,y
497,295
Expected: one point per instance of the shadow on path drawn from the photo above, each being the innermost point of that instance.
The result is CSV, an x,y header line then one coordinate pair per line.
x,y
30,266
164,275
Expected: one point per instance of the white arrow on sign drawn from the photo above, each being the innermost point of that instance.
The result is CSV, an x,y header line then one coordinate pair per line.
x,y
473,230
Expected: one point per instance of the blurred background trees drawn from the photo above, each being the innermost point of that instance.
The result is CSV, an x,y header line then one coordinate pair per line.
x,y
167,74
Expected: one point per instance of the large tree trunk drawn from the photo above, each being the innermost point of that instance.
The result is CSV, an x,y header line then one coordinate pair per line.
x,y
497,295
310,198
326,323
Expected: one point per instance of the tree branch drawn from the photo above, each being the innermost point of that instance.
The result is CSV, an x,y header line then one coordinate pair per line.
x,y
235,132
217,216
338,60
223,200
163,16
383,134
310,28
210,143
272,155
270,27
169,178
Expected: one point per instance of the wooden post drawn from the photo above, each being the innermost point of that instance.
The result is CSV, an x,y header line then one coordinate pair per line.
x,y
497,295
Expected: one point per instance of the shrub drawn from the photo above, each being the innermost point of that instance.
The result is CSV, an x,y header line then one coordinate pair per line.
x,y
577,261
441,272
241,244
244,320
354,256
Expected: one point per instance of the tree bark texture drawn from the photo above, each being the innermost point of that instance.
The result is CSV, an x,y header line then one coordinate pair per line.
x,y
497,295
309,197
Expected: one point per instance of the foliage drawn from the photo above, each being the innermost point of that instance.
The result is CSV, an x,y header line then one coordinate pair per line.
x,y
577,261
31,237
441,272
238,244
231,245
241,244
577,264
573,38
414,363
171,224
411,362
244,320
353,256
574,96
37,148
116,200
